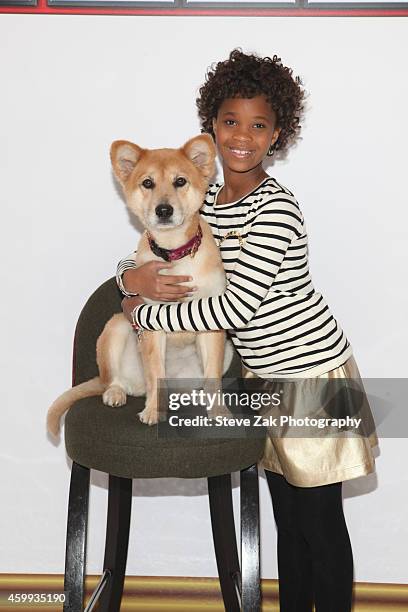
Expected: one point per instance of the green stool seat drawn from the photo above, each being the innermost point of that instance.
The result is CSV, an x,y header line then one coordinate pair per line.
x,y
113,440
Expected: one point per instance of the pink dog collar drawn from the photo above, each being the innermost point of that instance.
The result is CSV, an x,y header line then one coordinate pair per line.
x,y
189,248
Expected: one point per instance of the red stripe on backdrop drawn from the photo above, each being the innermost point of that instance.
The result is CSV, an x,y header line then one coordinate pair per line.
x,y
43,9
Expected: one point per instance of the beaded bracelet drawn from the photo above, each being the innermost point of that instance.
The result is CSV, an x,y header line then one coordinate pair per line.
x,y
135,325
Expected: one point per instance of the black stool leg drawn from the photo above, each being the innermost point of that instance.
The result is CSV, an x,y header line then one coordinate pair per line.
x,y
76,538
251,592
116,543
225,544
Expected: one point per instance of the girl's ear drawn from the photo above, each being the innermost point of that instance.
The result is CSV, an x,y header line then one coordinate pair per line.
x,y
214,125
275,135
201,151
124,157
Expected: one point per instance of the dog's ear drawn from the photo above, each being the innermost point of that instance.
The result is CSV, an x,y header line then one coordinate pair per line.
x,y
201,151
124,157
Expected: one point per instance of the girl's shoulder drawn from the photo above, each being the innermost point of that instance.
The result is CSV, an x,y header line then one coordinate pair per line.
x,y
275,198
272,186
211,193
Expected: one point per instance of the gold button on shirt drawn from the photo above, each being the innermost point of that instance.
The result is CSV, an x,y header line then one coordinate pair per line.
x,y
326,457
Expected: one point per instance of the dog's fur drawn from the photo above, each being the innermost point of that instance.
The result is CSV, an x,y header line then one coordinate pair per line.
x,y
126,366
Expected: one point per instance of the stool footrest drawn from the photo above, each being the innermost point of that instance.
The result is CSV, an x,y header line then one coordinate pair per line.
x,y
106,576
237,579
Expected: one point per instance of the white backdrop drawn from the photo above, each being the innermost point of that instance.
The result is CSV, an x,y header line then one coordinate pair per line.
x,y
71,85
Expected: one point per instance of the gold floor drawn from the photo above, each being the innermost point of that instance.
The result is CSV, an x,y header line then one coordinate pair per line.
x,y
176,594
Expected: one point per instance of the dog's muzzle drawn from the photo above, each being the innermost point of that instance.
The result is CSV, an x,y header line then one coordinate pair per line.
x,y
164,211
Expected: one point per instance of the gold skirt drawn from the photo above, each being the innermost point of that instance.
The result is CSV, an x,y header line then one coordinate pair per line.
x,y
315,461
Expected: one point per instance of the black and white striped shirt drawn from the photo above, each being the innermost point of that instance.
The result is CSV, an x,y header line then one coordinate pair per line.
x,y
278,323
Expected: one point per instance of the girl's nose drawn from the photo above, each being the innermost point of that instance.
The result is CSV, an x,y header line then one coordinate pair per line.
x,y
242,135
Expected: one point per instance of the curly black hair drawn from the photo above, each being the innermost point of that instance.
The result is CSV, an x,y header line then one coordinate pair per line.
x,y
246,76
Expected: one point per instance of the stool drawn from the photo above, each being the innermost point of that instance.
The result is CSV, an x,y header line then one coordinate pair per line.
x,y
113,440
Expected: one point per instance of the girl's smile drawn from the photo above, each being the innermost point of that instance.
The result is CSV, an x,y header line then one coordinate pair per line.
x,y
241,153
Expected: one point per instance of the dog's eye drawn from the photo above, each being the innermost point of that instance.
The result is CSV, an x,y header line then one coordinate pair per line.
x,y
180,182
148,183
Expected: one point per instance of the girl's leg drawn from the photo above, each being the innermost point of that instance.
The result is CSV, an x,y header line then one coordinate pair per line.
x,y
321,521
294,560
313,547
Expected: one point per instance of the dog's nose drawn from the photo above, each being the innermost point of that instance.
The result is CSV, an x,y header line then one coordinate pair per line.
x,y
164,211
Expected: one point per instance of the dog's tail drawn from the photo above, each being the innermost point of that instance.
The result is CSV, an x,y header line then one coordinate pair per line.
x,y
65,401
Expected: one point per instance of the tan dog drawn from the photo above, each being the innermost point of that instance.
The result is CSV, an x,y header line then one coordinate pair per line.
x,y
165,188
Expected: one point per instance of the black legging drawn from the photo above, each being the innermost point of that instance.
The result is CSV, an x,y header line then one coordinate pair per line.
x,y
315,560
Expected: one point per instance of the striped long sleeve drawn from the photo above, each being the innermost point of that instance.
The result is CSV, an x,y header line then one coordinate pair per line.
x,y
273,225
125,264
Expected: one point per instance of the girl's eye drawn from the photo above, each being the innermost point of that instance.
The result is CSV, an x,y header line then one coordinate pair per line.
x,y
180,181
229,122
259,125
148,183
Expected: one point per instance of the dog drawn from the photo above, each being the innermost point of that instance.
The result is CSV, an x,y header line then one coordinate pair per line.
x,y
165,189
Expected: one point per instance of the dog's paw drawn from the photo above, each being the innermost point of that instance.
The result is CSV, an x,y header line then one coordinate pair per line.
x,y
114,396
149,416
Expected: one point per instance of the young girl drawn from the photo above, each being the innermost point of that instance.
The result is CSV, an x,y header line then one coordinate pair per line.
x,y
279,324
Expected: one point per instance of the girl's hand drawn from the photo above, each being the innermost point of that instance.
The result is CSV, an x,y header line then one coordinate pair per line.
x,y
129,304
147,281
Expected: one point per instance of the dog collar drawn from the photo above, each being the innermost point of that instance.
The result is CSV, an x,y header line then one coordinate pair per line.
x,y
189,248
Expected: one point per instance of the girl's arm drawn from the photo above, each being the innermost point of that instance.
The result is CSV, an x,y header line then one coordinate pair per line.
x,y
146,281
278,222
128,263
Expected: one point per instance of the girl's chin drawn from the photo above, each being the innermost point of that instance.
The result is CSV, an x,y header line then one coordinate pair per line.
x,y
240,166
